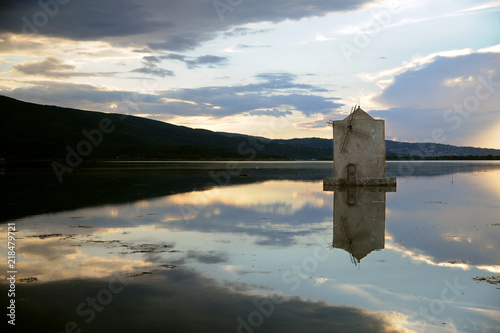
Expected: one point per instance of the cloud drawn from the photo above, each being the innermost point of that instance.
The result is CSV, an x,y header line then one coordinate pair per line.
x,y
10,43
240,47
50,67
53,68
152,59
449,98
278,92
241,31
81,20
245,46
206,60
175,43
440,126
274,113
446,80
275,91
159,25
321,123
80,96
150,67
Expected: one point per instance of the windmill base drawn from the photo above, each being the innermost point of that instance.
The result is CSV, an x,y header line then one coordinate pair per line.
x,y
330,183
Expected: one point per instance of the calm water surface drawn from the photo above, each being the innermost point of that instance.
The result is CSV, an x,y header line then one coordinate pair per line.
x,y
253,247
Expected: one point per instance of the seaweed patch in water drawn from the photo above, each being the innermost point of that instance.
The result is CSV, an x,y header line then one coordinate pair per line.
x,y
495,279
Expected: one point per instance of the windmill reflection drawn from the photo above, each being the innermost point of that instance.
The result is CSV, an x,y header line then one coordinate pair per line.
x,y
359,219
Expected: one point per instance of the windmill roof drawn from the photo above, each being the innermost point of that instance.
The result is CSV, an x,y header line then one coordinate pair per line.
x,y
359,114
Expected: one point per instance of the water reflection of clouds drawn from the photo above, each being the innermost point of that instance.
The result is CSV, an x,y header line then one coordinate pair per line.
x,y
93,253
445,220
279,197
168,300
275,213
37,250
248,235
207,257
418,256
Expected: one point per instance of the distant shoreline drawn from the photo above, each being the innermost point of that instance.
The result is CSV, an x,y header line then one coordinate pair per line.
x,y
46,163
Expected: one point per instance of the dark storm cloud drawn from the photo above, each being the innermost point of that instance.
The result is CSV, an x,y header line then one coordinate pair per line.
x,y
162,25
80,20
176,43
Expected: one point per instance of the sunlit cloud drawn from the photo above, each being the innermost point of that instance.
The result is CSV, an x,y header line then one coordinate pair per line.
x,y
415,63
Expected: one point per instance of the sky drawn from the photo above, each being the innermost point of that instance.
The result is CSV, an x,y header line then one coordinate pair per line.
x,y
279,69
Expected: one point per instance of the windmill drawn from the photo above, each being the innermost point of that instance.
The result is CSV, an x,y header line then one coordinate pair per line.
x,y
350,129
358,151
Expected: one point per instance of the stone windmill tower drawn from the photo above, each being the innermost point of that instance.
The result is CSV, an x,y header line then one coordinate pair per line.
x,y
358,152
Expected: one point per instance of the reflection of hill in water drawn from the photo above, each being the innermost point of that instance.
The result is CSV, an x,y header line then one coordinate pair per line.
x,y
427,168
36,191
31,192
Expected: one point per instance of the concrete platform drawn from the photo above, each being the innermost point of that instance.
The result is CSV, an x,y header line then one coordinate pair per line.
x,y
387,183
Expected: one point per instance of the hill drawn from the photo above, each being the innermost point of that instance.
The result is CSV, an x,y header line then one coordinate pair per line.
x,y
395,149
31,131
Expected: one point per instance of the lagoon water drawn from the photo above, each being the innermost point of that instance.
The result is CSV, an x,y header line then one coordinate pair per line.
x,y
253,247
